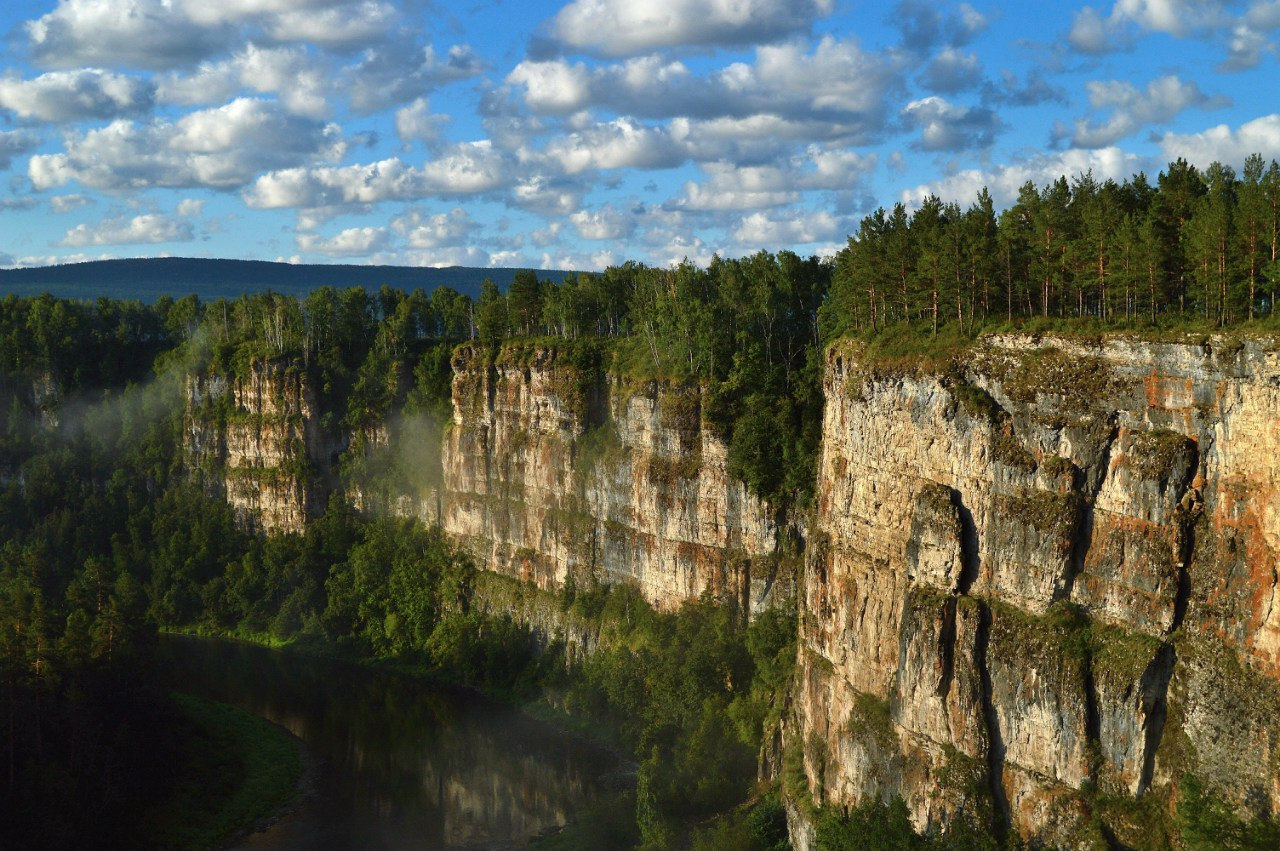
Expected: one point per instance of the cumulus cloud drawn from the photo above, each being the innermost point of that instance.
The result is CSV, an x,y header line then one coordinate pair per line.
x,y
1223,144
352,242
627,27
343,26
191,208
416,122
622,143
138,33
948,127
1004,181
445,256
464,169
400,71
60,96
1093,33
295,77
422,230
798,227
926,24
148,229
221,148
548,195
607,222
164,34
1133,109
1031,90
733,187
836,87
15,143
67,203
952,71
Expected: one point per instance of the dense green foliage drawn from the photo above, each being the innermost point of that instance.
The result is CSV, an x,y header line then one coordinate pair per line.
x,y
105,538
1203,244
236,768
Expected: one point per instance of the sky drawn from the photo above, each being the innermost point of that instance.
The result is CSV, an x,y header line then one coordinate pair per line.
x,y
575,135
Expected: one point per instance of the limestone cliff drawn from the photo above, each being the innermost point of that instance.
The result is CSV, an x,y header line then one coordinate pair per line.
x,y
554,470
1041,582
255,439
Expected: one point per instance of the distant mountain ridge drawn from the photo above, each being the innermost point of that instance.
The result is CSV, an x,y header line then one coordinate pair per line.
x,y
146,279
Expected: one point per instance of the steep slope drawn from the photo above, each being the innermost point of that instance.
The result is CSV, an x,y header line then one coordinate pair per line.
x,y
553,470
1043,580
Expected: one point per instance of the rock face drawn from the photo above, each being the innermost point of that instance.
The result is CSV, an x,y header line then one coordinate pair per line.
x,y
1040,576
1039,583
256,440
553,470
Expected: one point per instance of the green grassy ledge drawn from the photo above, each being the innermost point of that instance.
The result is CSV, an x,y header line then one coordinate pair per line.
x,y
236,768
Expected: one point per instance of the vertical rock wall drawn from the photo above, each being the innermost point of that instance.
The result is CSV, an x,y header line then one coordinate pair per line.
x,y
256,440
552,472
1044,576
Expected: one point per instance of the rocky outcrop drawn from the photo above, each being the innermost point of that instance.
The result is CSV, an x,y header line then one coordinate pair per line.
x,y
554,470
255,439
1051,565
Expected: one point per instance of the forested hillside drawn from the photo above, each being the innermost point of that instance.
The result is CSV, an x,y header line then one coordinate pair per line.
x,y
110,533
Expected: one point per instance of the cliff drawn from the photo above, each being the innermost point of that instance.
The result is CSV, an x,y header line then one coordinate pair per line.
x,y
255,439
554,470
1041,586
1039,581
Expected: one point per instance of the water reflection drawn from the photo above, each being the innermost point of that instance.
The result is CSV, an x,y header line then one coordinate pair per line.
x,y
403,764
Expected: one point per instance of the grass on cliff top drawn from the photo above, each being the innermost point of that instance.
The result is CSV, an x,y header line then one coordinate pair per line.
x,y
912,348
237,768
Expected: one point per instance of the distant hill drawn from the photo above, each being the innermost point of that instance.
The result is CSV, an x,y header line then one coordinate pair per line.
x,y
148,279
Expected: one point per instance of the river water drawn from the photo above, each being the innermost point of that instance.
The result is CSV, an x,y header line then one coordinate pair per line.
x,y
399,763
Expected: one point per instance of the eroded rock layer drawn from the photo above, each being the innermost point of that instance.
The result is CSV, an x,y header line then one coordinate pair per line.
x,y
1043,578
552,471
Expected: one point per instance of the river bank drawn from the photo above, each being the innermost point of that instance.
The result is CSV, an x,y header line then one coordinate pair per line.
x,y
239,772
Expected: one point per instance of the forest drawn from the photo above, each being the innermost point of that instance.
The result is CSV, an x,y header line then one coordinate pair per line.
x,y
107,539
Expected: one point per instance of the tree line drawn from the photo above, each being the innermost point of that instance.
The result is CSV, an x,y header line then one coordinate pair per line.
x,y
1196,244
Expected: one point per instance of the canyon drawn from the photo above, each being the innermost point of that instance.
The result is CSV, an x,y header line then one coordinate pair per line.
x,y
1036,587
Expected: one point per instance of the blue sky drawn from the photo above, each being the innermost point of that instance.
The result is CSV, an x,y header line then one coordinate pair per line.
x,y
579,134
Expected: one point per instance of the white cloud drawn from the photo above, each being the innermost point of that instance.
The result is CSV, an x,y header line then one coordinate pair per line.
x,y
439,258
464,169
947,127
296,78
623,143
352,242
67,203
401,70
191,208
1133,109
952,71
416,122
733,187
554,87
87,93
1179,18
1222,144
149,229
15,143
1005,180
138,33
346,26
801,227
161,34
835,88
624,27
435,231
547,195
220,148
604,223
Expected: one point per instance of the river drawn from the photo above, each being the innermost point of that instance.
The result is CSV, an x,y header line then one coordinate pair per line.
x,y
400,763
